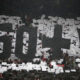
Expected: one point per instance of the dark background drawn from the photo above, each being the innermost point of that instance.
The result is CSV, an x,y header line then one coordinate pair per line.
x,y
64,8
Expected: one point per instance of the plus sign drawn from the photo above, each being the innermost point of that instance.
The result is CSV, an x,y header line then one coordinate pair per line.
x,y
56,43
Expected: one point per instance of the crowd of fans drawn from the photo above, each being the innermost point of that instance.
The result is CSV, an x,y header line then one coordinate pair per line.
x,y
44,68
70,28
34,75
16,69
